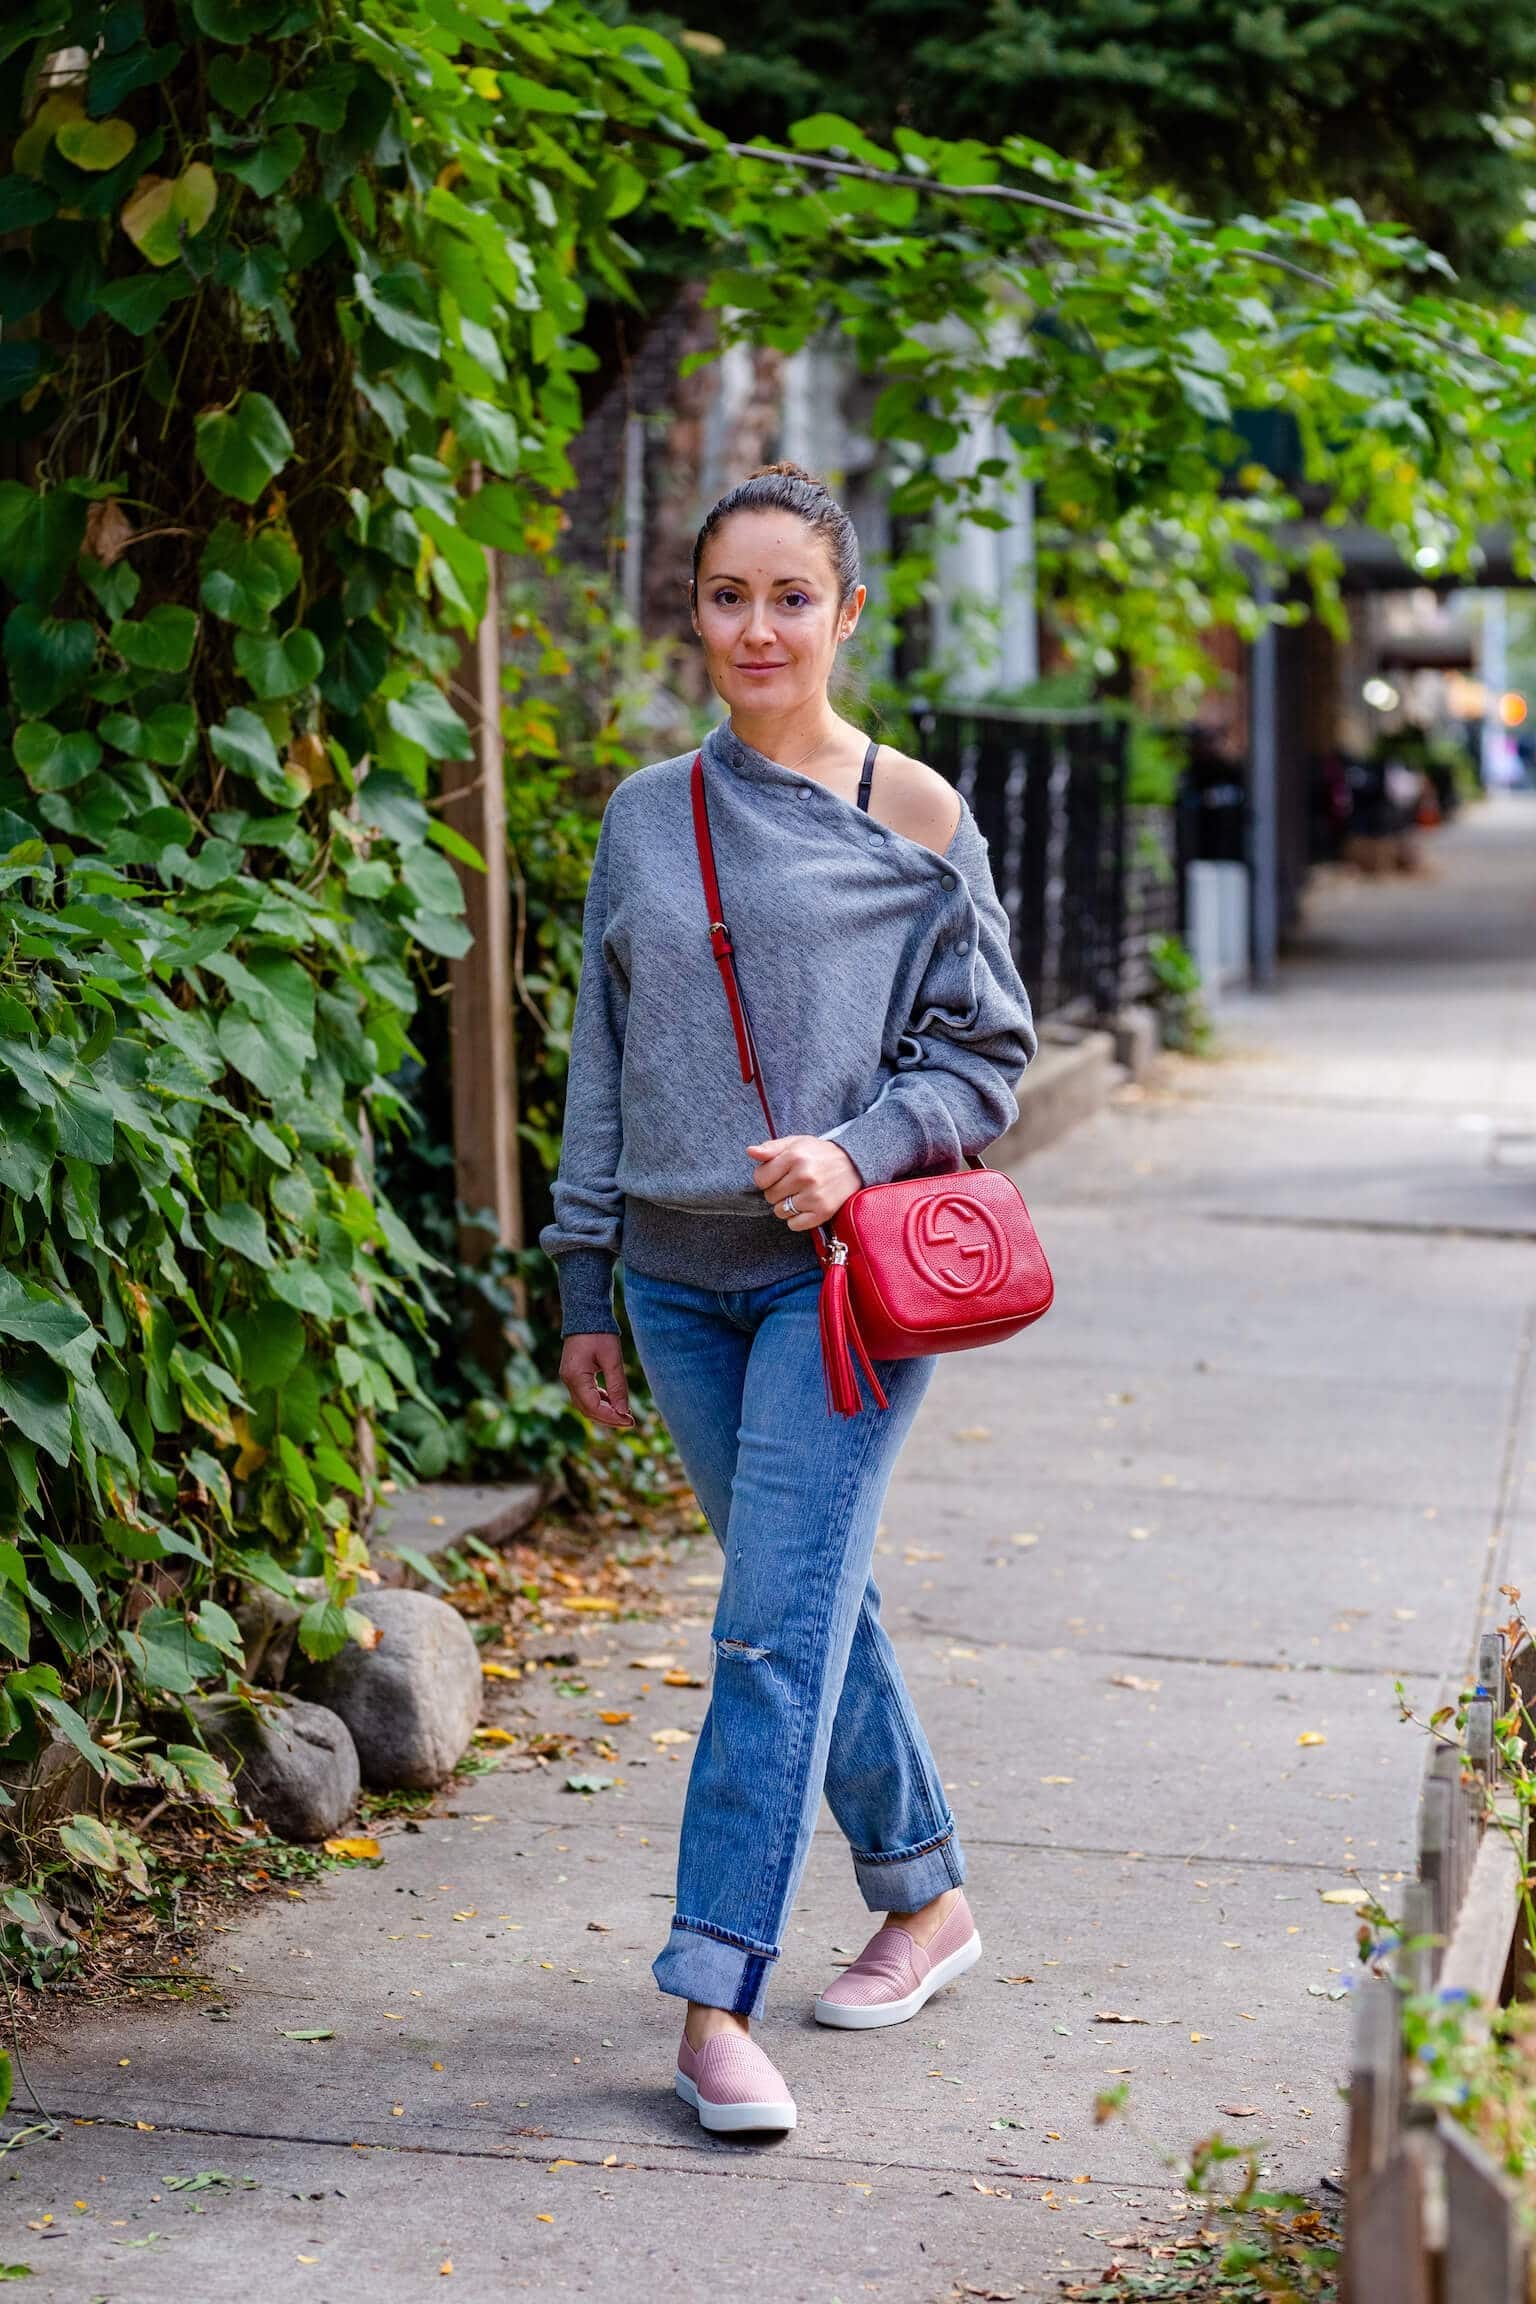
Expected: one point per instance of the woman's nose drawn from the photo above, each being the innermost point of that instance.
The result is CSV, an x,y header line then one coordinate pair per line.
x,y
760,622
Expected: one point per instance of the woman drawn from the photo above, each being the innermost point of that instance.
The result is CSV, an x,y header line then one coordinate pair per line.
x,y
892,1028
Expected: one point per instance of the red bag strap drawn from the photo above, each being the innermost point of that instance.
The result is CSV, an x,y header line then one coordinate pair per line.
x,y
720,942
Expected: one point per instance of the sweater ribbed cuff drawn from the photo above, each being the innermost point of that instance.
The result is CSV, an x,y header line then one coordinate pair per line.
x,y
586,1292
883,1141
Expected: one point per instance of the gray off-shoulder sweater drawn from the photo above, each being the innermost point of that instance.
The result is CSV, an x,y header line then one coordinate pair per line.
x,y
888,1014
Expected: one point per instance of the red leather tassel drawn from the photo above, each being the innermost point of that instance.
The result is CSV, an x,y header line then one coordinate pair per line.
x,y
838,1330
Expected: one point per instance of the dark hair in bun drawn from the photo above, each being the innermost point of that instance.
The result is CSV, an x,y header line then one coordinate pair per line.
x,y
786,487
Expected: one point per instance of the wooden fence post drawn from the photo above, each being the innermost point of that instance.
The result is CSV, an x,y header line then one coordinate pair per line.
x,y
486,1174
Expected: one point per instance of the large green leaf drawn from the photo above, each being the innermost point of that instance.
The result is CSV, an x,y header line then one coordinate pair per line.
x,y
424,716
162,641
52,761
30,1315
238,1225
237,21
270,1341
87,1839
243,578
239,83
49,657
244,447
279,664
268,168
41,532
243,743
95,145
166,1653
34,1394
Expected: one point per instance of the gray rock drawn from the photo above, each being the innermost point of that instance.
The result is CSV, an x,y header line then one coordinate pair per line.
x,y
294,1764
412,1702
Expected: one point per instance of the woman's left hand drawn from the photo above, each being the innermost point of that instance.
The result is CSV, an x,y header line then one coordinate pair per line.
x,y
817,1175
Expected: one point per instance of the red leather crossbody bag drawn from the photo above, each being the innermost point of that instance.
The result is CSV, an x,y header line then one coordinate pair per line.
x,y
936,1262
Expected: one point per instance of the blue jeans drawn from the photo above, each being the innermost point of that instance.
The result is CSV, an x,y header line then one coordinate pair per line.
x,y
806,1692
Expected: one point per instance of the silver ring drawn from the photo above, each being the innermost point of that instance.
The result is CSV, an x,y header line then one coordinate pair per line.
x,y
787,1205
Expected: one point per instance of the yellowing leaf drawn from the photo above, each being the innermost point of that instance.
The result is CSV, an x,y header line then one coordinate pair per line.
x,y
495,1736
359,1845
615,1719
683,1680
671,1736
650,1663
162,207
501,1672
1345,1895
589,1601
1311,1736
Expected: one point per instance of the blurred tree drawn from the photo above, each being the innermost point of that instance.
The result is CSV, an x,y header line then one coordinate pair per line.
x,y
1416,108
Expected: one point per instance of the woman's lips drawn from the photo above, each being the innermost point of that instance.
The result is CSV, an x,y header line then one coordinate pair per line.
x,y
756,668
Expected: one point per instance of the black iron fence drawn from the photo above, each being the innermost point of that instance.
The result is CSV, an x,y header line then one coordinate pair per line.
x,y
1087,881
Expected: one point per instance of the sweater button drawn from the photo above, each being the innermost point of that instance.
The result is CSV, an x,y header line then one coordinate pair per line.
x,y
948,880
962,945
802,791
876,839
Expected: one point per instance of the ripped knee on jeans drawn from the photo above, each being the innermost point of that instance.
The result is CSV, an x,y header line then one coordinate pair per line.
x,y
740,1651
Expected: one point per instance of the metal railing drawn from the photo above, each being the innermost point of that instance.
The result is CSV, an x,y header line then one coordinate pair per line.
x,y
1048,792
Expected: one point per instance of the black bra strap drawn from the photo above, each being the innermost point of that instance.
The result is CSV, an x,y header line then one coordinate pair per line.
x,y
869,770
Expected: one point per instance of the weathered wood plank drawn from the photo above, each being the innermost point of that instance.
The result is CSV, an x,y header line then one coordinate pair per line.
x,y
1385,2258
1477,1955
1485,2257
1375,2080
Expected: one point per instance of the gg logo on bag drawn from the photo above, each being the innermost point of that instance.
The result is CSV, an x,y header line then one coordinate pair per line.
x,y
975,1261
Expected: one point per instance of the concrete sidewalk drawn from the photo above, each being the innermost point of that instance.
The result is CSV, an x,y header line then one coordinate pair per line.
x,y
1262,1460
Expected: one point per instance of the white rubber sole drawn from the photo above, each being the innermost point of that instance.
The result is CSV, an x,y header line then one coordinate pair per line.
x,y
849,2019
732,2119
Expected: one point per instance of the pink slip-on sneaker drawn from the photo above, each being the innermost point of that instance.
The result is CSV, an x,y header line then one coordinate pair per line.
x,y
894,1975
732,2085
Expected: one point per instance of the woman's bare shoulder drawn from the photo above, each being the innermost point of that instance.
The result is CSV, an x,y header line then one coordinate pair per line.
x,y
914,799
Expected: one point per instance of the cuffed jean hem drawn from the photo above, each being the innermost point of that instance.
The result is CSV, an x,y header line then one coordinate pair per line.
x,y
909,1878
698,1963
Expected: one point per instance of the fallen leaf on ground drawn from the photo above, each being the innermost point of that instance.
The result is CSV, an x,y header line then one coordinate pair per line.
x,y
1311,1736
1238,2111
974,1432
495,1736
320,2032
1133,1680
701,1582
651,1663
589,1601
588,1783
1056,1779
1015,1979
671,1736
615,1719
598,1928
682,1680
1345,1895
1025,1539
500,1672
359,1845
1113,2016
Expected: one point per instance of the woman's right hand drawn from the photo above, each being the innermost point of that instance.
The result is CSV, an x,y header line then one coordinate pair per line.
x,y
586,1358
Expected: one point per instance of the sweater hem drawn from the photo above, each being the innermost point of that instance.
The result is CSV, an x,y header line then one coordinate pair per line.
x,y
712,1247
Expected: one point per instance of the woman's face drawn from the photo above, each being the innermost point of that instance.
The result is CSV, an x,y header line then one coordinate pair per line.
x,y
766,609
